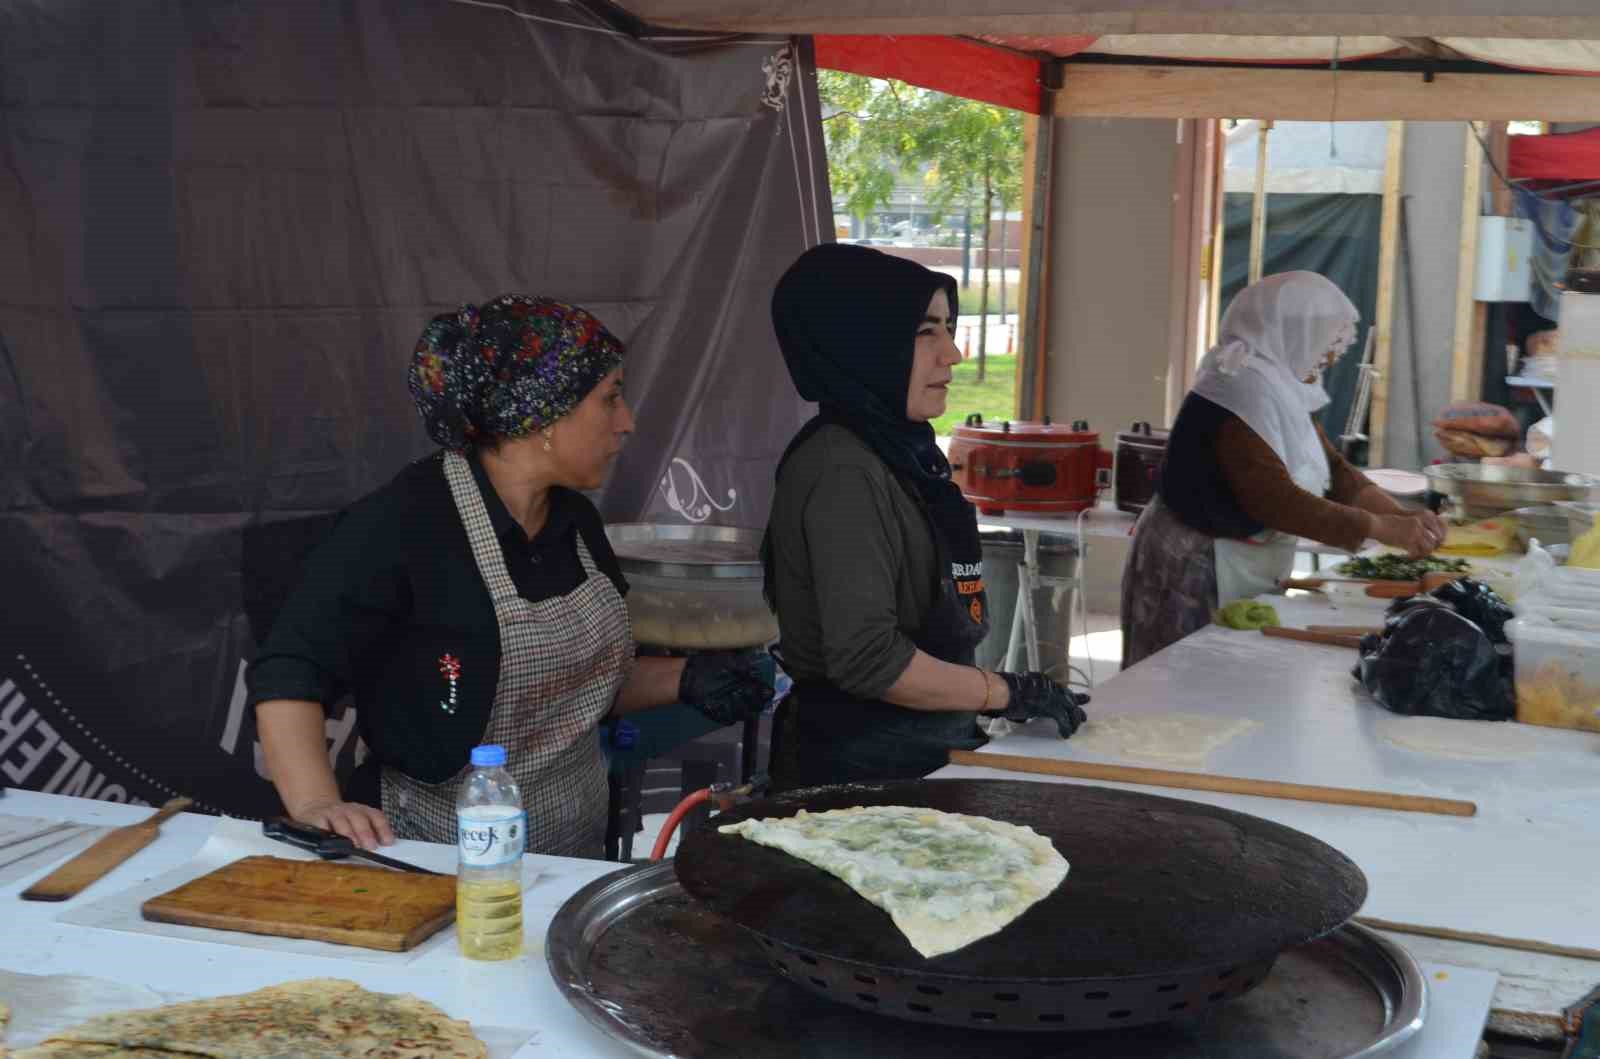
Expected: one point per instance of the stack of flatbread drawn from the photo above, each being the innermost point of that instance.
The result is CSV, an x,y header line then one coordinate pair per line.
x,y
324,1017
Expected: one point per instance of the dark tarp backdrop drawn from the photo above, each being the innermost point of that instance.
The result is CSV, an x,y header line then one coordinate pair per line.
x,y
222,227
1334,235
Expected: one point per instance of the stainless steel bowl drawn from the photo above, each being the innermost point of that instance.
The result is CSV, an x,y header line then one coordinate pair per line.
x,y
1483,491
693,587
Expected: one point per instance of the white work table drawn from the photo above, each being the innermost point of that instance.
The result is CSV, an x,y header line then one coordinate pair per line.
x,y
517,994
1522,868
494,997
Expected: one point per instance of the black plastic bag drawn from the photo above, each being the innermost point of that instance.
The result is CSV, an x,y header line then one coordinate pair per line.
x,y
1431,661
1479,604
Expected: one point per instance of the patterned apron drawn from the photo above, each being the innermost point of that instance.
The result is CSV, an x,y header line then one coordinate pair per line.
x,y
561,663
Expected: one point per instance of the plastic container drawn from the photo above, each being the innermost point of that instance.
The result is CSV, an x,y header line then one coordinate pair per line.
x,y
1559,616
1557,673
491,836
1580,517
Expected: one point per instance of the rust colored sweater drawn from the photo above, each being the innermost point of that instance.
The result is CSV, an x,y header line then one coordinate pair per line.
x,y
1261,486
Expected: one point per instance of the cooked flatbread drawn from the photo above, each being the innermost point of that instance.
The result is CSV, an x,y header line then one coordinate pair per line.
x,y
946,879
325,1017
75,1050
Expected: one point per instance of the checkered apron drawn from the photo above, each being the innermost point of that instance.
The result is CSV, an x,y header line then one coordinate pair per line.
x,y
561,663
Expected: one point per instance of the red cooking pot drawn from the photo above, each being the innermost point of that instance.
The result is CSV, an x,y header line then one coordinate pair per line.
x,y
1016,465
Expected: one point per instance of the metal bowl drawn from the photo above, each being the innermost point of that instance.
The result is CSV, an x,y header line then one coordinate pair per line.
x,y
693,587
1486,490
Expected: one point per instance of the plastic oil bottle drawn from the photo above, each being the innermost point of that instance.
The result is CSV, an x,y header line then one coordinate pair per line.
x,y
491,835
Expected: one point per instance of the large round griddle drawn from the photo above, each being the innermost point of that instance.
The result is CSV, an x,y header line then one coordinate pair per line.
x,y
1200,898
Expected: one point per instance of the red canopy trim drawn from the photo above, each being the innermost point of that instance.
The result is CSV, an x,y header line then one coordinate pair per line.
x,y
945,64
1569,156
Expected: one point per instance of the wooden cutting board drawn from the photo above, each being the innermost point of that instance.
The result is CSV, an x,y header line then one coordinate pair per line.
x,y
347,904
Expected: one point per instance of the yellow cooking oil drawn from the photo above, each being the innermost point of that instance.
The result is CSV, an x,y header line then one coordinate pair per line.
x,y
489,918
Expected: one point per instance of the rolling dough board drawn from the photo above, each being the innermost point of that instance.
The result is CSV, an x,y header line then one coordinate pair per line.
x,y
347,904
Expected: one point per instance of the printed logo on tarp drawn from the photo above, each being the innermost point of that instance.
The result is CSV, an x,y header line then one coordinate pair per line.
x,y
778,68
336,730
697,504
36,753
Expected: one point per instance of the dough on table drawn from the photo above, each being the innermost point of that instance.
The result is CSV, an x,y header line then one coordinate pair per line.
x,y
1448,737
1183,738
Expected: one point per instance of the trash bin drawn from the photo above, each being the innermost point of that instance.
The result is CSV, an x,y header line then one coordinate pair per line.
x,y
1002,552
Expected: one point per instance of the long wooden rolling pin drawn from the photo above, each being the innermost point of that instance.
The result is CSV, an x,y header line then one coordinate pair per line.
x,y
1332,639
1200,781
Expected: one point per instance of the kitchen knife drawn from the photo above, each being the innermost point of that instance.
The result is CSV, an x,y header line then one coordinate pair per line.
x,y
43,831
329,845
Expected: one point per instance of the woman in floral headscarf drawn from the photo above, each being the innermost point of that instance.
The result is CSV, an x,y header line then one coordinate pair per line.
x,y
474,599
1248,470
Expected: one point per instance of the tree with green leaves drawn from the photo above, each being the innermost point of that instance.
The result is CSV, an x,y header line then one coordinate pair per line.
x,y
970,154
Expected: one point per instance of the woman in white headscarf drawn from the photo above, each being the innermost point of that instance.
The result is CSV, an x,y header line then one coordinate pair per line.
x,y
1248,470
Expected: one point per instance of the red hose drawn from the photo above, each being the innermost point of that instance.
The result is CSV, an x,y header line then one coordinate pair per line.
x,y
675,819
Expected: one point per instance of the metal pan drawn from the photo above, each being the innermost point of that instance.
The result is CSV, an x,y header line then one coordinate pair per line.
x,y
1169,905
691,552
652,968
1486,490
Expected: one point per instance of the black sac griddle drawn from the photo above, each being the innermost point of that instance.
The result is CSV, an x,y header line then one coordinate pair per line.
x,y
1169,906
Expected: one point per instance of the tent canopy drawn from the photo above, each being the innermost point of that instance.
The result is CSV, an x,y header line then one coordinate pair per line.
x,y
953,46
1553,20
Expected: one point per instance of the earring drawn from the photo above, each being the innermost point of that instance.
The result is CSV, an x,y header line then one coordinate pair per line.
x,y
547,439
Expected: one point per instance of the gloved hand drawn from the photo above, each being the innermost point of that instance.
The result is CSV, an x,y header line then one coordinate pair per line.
x,y
1036,695
728,686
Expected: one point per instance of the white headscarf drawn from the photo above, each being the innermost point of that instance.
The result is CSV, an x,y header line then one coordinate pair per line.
x,y
1276,333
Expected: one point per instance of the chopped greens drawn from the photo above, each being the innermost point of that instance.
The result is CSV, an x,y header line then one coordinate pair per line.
x,y
1400,568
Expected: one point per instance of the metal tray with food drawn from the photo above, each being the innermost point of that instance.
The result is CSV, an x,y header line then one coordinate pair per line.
x,y
693,587
1485,490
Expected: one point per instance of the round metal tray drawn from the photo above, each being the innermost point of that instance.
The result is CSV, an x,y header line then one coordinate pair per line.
x,y
683,551
651,967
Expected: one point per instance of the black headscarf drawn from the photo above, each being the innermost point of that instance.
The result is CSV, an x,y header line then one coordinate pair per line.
x,y
847,319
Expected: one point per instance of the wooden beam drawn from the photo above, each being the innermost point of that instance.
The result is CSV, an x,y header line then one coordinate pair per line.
x,y
1383,316
1286,94
1466,367
1258,208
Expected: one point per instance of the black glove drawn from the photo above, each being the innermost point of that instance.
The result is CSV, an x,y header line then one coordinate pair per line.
x,y
728,686
1036,695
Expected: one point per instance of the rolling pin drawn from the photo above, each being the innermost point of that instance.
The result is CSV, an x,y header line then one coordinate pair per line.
x,y
1378,589
1201,781
1331,639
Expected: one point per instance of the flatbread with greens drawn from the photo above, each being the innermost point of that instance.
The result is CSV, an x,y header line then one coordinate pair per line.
x,y
325,1017
946,879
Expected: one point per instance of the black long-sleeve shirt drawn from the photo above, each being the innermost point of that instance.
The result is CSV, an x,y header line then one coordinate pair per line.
x,y
393,589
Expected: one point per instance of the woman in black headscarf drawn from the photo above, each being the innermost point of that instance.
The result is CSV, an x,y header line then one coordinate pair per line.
x,y
872,557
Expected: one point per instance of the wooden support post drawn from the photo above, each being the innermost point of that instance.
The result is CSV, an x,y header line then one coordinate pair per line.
x,y
1033,350
1501,204
1383,317
1219,231
1025,399
1466,368
1258,211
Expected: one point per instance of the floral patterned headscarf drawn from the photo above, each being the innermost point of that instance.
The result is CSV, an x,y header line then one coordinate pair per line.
x,y
506,369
